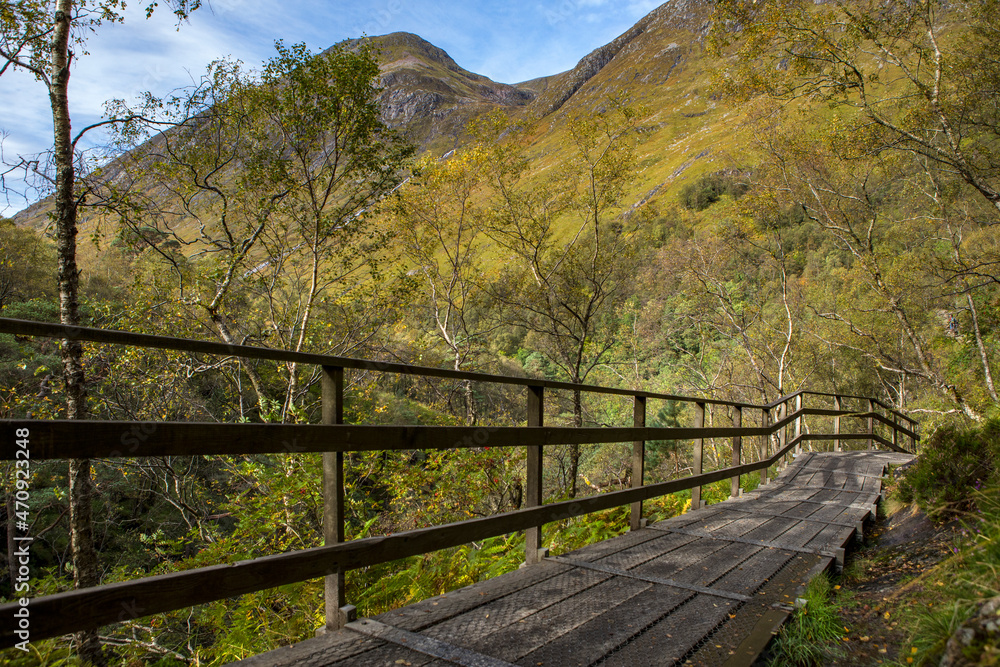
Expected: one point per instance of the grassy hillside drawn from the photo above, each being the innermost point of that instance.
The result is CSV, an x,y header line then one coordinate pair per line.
x,y
659,65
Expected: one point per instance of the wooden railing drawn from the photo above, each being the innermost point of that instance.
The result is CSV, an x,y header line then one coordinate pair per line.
x,y
87,609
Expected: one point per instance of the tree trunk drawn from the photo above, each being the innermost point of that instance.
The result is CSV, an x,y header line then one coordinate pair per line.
x,y
81,488
255,379
470,403
981,346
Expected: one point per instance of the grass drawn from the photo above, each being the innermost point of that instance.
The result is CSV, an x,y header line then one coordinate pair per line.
x,y
813,634
952,592
933,627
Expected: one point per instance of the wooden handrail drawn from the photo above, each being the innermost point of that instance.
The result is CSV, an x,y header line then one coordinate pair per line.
x,y
110,336
46,329
67,439
805,392
91,608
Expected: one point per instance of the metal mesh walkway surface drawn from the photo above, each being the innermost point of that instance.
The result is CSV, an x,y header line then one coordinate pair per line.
x,y
709,587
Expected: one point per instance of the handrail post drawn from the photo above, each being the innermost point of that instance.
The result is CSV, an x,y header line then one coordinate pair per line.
x,y
871,424
333,496
838,404
734,490
699,446
895,431
798,423
765,421
533,492
638,459
782,432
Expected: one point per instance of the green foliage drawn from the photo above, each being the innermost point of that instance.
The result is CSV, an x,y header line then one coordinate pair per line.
x,y
668,506
45,653
973,575
580,531
811,635
391,585
750,482
956,461
658,451
27,265
708,189
935,626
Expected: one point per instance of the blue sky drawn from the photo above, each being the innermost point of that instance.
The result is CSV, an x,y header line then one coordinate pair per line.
x,y
507,41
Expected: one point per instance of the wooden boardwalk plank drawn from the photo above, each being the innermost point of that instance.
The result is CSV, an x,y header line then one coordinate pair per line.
x,y
623,601
668,641
327,649
555,624
434,610
425,645
598,550
673,583
595,639
577,585
663,543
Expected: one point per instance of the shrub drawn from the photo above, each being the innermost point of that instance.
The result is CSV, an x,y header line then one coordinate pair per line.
x,y
709,189
956,462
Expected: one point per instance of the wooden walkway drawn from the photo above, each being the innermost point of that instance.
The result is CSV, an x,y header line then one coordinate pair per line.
x,y
709,587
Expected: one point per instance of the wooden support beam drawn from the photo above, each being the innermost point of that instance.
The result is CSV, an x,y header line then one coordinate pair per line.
x,y
699,453
734,490
533,486
838,405
895,432
335,596
798,421
783,430
871,424
70,438
765,419
638,459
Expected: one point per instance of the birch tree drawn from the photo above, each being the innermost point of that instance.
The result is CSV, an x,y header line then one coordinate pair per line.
x,y
43,39
440,220
572,244
276,172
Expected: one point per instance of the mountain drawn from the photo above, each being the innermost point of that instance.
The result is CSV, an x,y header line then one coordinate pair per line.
x,y
430,97
658,64
642,58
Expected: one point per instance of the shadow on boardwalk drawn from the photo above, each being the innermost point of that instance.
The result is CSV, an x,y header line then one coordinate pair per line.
x,y
709,587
